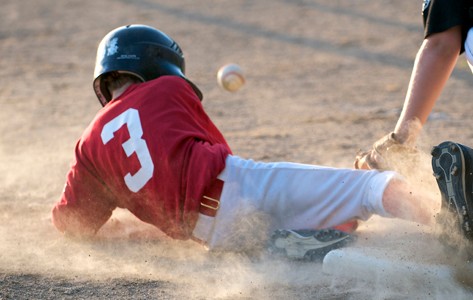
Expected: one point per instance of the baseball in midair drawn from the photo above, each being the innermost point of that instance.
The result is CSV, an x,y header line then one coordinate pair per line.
x,y
230,77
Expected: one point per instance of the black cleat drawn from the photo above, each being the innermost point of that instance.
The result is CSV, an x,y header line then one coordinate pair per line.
x,y
452,167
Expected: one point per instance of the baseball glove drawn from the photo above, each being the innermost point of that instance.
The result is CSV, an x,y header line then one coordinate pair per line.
x,y
379,156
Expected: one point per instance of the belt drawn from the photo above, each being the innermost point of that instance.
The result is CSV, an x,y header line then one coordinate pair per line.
x,y
210,201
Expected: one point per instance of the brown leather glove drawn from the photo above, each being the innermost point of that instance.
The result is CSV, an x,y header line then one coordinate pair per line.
x,y
378,156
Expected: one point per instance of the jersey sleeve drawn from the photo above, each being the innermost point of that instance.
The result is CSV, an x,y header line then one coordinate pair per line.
x,y
85,204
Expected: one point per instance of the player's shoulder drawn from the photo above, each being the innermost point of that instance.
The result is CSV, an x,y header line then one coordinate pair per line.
x,y
168,89
166,81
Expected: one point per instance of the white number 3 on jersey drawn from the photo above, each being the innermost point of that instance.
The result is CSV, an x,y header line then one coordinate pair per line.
x,y
135,144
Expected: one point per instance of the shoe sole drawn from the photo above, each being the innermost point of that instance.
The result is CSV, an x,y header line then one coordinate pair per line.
x,y
448,164
310,245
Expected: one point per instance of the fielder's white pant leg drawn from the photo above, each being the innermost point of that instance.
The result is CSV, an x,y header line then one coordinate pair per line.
x,y
296,196
469,48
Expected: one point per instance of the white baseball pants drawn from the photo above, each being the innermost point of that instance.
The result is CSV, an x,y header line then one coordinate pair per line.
x,y
286,195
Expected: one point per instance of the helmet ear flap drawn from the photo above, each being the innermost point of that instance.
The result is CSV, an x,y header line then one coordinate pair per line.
x,y
104,84
101,90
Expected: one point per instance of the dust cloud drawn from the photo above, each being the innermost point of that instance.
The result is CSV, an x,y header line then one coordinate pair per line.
x,y
128,249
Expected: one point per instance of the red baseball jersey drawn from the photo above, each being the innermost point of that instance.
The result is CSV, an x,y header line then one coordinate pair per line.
x,y
153,151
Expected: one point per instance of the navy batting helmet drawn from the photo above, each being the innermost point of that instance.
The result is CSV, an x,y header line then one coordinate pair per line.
x,y
139,50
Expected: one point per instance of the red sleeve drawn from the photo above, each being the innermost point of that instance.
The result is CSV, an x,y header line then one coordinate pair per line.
x,y
85,202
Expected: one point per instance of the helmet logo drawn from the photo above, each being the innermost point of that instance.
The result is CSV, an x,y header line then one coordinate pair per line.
x,y
112,47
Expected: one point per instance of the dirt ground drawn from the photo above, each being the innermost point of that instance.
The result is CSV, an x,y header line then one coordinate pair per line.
x,y
324,79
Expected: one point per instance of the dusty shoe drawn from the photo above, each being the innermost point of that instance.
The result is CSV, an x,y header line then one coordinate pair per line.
x,y
310,245
452,167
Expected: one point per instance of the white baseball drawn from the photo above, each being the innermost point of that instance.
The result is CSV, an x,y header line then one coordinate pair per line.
x,y
230,77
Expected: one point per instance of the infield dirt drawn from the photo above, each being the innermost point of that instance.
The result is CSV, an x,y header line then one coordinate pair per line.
x,y
323,80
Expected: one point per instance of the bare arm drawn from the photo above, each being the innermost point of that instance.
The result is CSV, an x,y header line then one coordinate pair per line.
x,y
433,66
409,203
